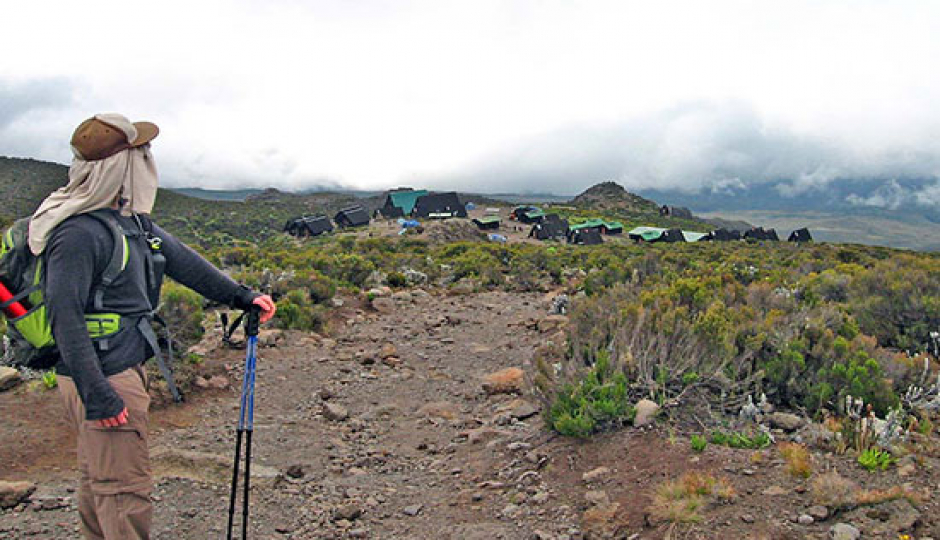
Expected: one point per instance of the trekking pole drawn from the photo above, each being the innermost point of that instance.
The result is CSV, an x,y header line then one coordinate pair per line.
x,y
245,421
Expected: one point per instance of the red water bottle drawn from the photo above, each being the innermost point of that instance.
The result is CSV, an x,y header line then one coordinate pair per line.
x,y
15,309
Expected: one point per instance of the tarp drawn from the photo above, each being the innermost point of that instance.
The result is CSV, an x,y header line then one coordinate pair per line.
x,y
408,223
691,236
497,238
646,234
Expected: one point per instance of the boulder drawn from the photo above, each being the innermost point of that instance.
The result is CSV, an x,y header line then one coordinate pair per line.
x,y
13,493
9,378
785,421
388,350
844,531
335,412
506,381
646,411
383,305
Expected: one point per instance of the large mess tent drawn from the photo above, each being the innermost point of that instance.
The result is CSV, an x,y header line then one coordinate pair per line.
x,y
552,227
439,206
800,235
760,233
308,226
401,202
353,216
585,237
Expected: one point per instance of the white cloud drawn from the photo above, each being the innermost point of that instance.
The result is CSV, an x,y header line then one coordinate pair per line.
x,y
539,94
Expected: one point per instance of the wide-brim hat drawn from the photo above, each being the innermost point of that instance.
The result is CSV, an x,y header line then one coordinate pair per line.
x,y
104,135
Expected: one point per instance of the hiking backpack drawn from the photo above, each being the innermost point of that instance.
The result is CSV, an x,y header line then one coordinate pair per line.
x,y
30,340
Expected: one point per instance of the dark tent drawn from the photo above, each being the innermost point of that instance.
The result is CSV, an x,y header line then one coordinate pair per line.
x,y
354,216
585,237
800,235
550,228
671,236
487,222
724,235
308,226
401,202
439,205
760,233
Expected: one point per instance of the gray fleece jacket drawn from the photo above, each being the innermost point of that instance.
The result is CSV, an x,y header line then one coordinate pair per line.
x,y
78,252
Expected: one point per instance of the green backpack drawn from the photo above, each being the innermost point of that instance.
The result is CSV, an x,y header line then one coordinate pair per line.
x,y
31,343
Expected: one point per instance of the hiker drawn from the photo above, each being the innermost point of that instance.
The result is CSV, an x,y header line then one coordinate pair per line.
x,y
102,382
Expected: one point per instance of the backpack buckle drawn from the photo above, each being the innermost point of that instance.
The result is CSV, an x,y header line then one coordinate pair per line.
x,y
155,242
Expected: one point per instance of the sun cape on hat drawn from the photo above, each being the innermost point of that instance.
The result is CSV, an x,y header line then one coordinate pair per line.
x,y
112,168
104,135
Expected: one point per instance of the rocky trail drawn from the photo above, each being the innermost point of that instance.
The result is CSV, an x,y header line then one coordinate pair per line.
x,y
415,421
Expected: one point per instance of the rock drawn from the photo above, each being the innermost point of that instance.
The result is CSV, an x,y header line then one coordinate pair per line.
x,y
403,297
335,412
358,533
506,381
206,467
519,409
602,522
805,519
337,302
774,491
597,497
384,305
412,510
785,421
510,510
218,381
9,378
295,471
818,512
484,434
349,512
13,493
595,474
844,531
747,518
388,350
646,411
553,323
439,409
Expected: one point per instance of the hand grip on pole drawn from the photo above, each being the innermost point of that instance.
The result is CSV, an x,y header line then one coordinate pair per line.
x,y
13,309
253,321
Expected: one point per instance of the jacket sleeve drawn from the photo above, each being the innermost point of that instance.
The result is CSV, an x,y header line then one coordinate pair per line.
x,y
71,268
192,270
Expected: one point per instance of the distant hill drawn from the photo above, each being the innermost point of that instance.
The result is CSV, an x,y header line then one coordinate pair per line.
x,y
885,212
217,194
613,196
24,183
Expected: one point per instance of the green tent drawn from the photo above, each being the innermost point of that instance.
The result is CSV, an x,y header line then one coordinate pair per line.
x,y
646,234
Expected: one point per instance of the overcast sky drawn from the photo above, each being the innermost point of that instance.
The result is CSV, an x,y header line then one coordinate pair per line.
x,y
540,96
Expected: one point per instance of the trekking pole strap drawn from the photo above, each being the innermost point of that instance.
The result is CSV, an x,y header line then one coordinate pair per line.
x,y
151,337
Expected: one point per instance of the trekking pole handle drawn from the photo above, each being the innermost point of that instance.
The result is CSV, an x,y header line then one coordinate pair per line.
x,y
253,321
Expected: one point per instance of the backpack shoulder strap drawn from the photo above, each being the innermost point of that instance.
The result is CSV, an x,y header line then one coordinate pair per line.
x,y
119,255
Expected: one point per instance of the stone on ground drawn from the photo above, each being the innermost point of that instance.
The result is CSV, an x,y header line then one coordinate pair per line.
x,y
9,378
646,411
506,381
13,493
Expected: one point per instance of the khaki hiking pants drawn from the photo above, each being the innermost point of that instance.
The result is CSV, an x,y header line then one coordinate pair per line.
x,y
114,463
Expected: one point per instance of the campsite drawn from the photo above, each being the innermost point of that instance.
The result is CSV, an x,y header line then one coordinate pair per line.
x,y
422,376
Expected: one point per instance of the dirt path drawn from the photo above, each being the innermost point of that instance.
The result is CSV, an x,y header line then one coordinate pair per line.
x,y
384,432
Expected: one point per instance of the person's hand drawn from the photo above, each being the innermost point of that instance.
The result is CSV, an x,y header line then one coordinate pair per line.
x,y
266,303
115,421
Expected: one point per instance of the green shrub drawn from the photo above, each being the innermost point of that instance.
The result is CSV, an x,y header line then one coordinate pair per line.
x,y
698,443
182,309
599,402
874,459
738,439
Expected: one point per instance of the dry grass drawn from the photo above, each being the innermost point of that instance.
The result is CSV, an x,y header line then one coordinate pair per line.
x,y
797,458
834,491
872,497
681,500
